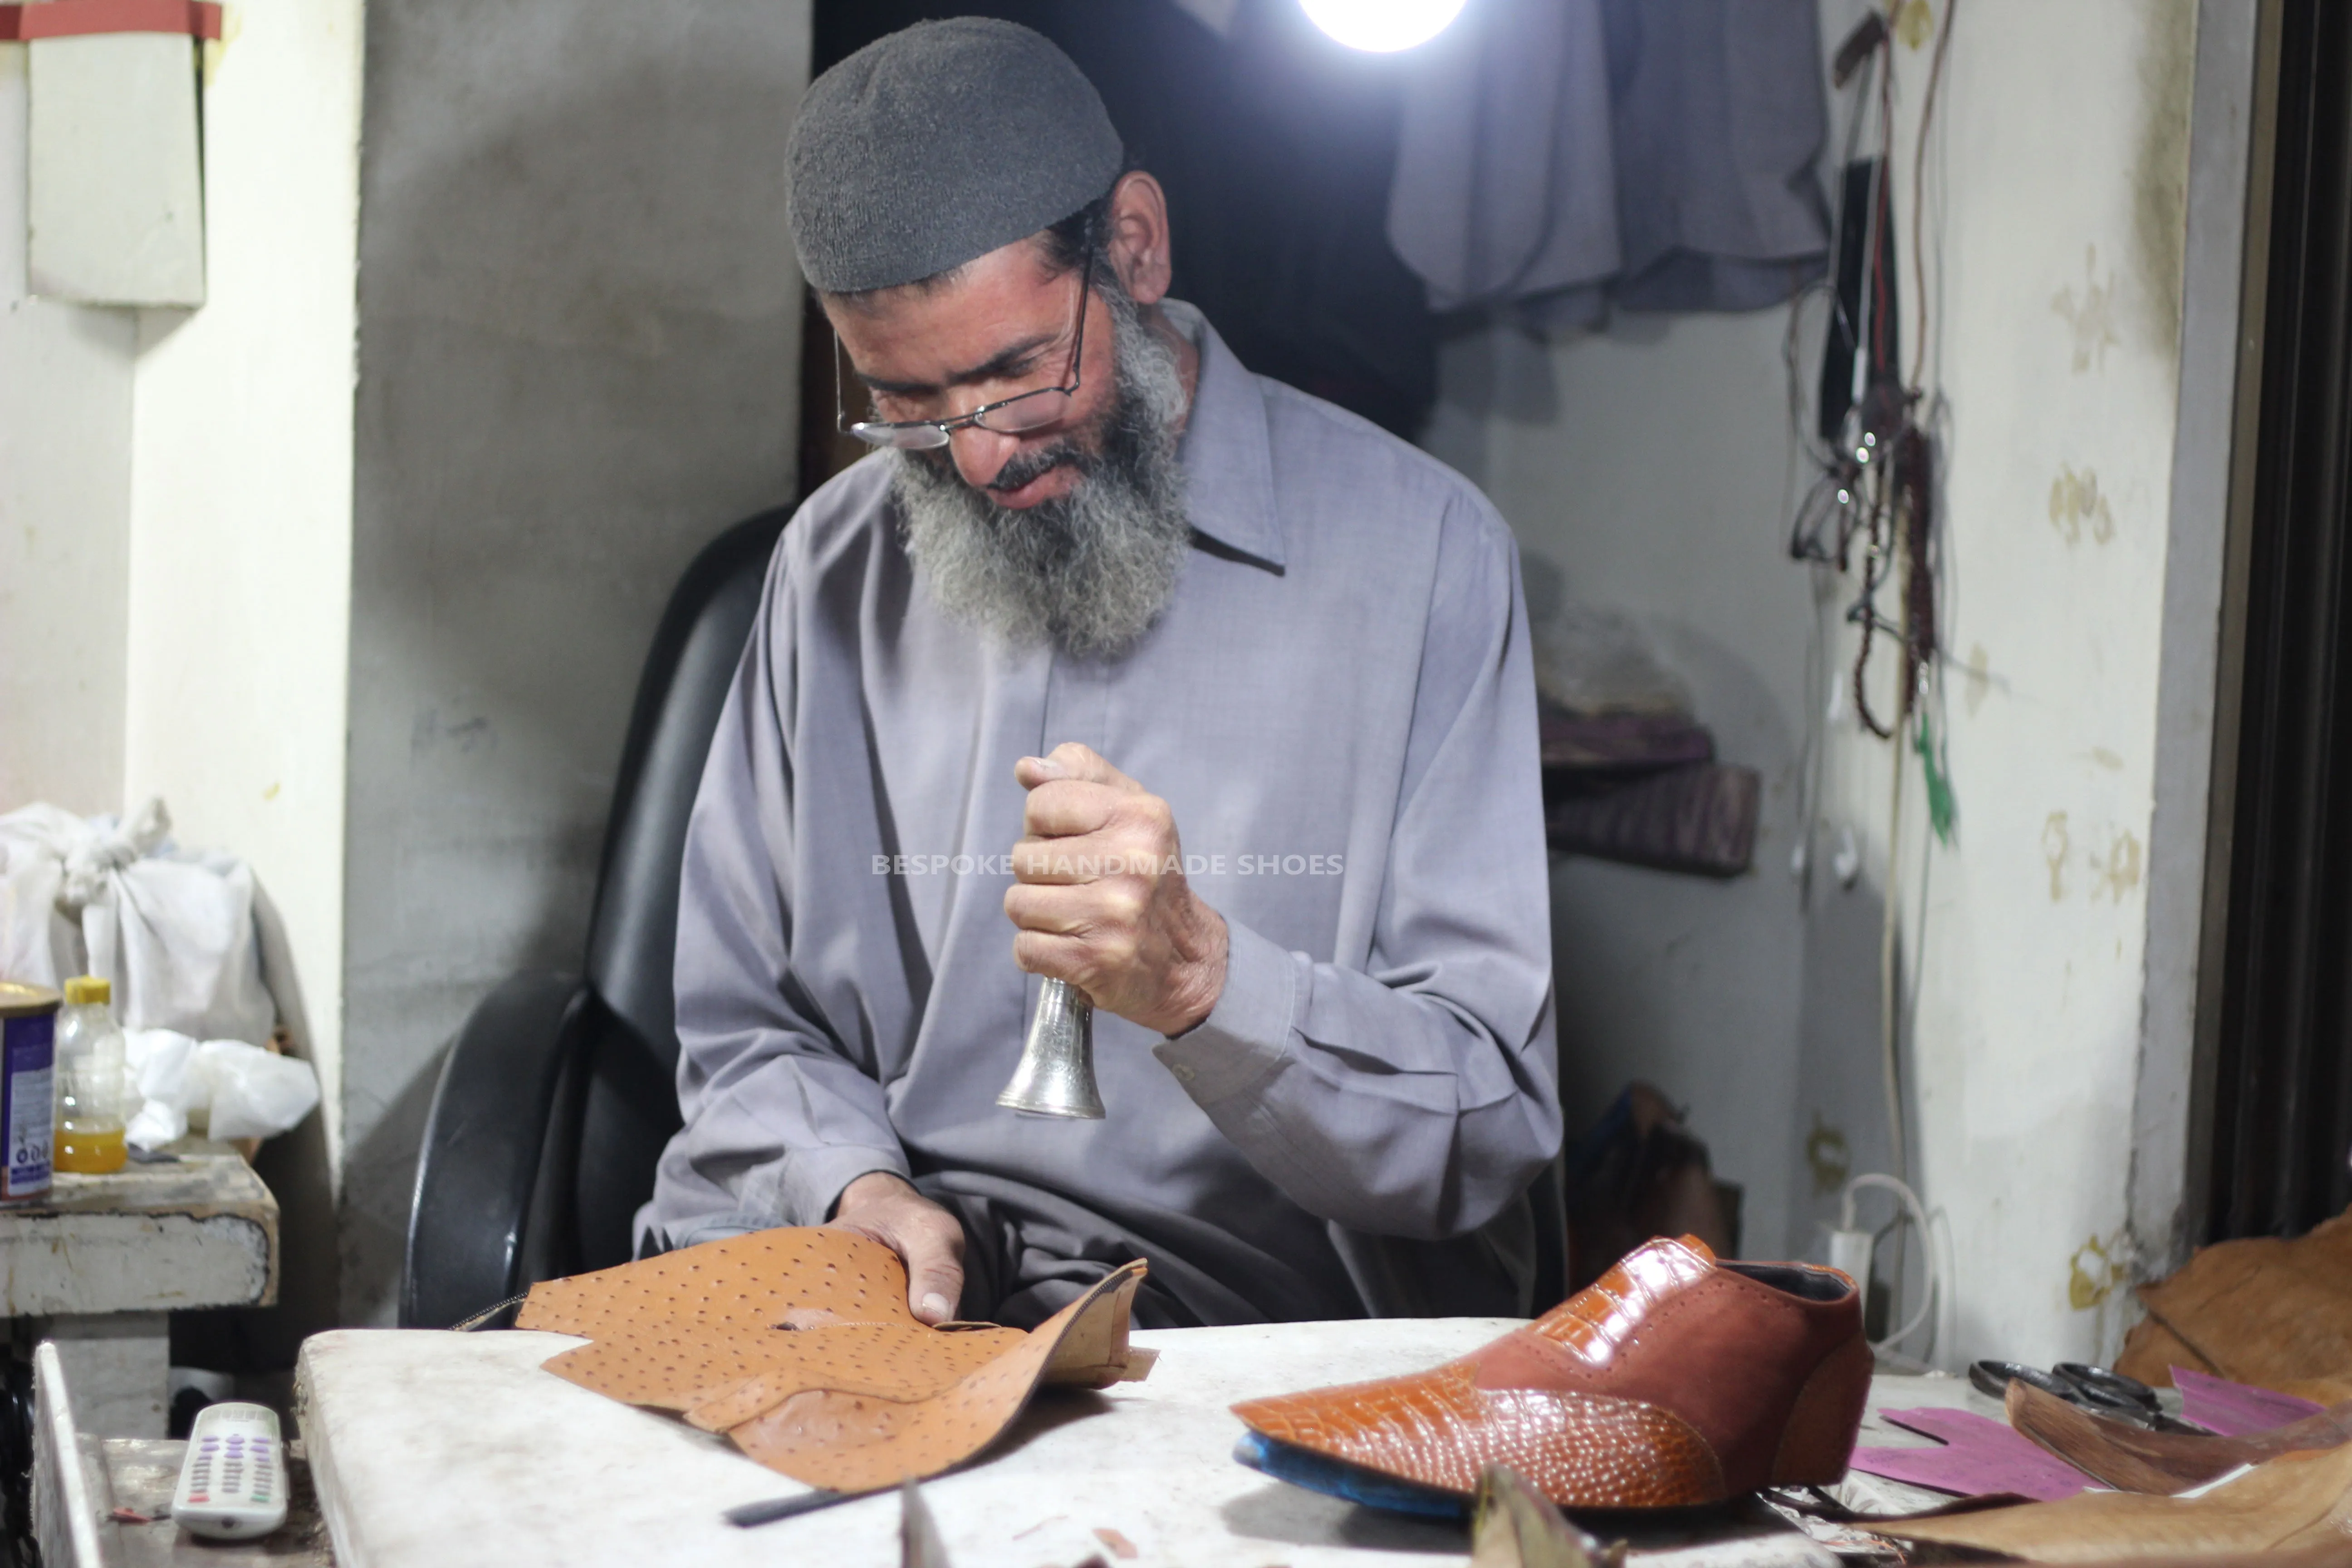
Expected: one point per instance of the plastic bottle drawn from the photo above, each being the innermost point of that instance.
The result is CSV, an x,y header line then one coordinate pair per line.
x,y
90,1080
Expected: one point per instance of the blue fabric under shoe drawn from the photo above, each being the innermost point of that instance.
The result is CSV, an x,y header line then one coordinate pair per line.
x,y
1337,1477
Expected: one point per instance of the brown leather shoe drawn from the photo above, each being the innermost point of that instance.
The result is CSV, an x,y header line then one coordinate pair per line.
x,y
1672,1380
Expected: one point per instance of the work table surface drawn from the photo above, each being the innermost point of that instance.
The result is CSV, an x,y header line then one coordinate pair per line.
x,y
448,1450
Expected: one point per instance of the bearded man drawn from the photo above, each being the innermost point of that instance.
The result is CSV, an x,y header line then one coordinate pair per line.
x,y
1099,583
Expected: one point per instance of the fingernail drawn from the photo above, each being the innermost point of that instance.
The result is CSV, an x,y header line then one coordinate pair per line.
x,y
936,1306
1049,767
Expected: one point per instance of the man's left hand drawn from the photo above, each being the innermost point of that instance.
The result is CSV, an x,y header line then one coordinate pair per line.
x,y
1100,899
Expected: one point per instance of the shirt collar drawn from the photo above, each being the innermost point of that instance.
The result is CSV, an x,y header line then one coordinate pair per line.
x,y
1227,455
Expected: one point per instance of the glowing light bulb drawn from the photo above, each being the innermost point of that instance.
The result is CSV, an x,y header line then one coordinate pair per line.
x,y
1382,27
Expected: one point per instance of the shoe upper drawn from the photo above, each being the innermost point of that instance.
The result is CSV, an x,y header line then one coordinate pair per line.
x,y
1675,1378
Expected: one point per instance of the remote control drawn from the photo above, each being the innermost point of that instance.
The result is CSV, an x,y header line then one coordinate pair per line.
x,y
233,1483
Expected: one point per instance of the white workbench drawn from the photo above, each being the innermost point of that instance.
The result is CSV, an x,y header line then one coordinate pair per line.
x,y
445,1449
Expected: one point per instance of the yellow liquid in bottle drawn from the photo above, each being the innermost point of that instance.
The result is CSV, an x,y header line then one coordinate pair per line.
x,y
90,1151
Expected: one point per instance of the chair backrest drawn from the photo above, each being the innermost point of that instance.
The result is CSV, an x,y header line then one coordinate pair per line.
x,y
633,932
617,1104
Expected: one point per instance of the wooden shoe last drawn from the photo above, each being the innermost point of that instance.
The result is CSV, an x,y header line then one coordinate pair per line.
x,y
1672,1379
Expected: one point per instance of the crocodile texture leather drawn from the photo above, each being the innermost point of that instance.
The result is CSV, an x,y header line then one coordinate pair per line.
x,y
1672,1380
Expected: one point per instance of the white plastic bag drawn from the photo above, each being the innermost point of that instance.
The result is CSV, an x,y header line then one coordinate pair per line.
x,y
154,1125
243,1090
188,938
255,1094
164,1079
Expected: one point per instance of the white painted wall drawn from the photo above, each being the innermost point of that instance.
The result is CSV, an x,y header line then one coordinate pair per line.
x,y
241,492
2060,293
65,517
1646,467
175,538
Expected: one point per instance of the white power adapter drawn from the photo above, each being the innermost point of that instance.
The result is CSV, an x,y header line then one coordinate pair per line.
x,y
1850,1253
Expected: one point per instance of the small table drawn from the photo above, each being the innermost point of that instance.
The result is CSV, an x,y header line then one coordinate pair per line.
x,y
103,1259
448,1450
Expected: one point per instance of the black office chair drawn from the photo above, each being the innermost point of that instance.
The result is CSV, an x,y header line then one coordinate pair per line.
x,y
553,1067
550,1065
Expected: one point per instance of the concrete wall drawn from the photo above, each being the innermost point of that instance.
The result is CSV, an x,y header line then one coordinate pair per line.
x,y
1646,467
579,341
65,517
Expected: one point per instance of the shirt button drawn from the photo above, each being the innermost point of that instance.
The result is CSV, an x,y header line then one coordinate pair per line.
x,y
1184,1074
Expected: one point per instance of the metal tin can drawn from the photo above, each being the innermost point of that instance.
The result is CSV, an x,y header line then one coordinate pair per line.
x,y
28,1026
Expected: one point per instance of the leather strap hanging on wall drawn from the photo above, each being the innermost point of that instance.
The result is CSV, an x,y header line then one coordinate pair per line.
x,y
77,18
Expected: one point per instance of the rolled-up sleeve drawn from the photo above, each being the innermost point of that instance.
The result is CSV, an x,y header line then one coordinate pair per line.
x,y
1418,1095
781,1109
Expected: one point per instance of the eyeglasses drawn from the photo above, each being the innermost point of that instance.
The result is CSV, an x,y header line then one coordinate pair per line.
x,y
1008,417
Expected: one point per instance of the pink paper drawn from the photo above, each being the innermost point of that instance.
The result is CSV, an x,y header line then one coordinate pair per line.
x,y
2232,1409
1979,1455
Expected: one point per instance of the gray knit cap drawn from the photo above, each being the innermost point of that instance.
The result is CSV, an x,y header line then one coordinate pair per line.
x,y
938,144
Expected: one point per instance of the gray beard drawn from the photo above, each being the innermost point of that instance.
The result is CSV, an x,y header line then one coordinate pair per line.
x,y
1091,571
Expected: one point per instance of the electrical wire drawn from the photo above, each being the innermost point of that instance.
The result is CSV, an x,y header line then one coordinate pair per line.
x,y
1875,485
1919,197
1919,1215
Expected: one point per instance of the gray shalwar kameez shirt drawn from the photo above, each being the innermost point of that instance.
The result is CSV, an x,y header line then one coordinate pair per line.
x,y
1338,707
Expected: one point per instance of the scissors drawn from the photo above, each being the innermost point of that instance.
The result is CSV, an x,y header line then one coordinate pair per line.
x,y
2093,1388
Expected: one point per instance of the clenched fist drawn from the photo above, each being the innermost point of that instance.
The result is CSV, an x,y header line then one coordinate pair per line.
x,y
1100,899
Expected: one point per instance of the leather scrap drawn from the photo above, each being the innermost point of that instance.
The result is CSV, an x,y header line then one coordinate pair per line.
x,y
680,1369
2296,1500
2233,1409
1512,1525
849,1442
1975,1456
2259,1311
2133,1460
751,1281
797,1343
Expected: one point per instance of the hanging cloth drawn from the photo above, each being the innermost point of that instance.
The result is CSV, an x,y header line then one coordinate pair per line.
x,y
1558,156
1506,188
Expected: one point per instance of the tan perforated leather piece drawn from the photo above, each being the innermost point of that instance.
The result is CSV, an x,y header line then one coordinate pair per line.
x,y
856,1442
678,1369
1670,1381
863,1396
751,1281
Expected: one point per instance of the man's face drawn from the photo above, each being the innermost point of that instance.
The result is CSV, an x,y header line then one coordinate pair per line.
x,y
1003,325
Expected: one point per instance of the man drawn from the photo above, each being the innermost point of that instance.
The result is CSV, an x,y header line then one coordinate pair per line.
x,y
1102,583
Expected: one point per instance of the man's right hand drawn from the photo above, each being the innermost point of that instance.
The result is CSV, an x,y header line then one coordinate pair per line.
x,y
886,1208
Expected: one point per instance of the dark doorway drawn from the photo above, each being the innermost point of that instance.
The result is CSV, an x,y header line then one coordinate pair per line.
x,y
2274,1109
